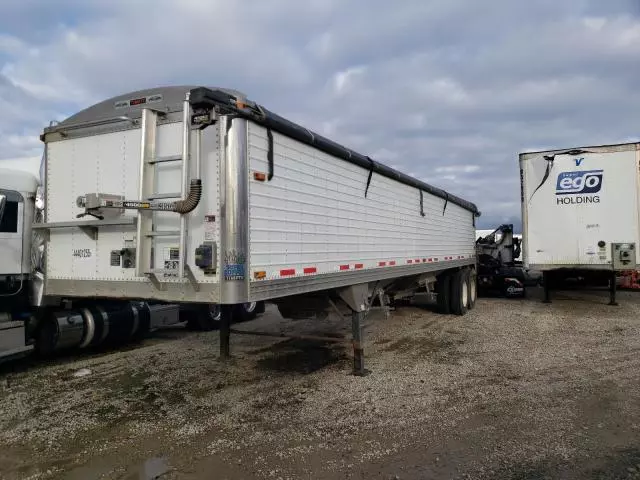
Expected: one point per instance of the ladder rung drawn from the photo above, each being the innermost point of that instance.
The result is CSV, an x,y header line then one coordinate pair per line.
x,y
168,158
166,233
159,196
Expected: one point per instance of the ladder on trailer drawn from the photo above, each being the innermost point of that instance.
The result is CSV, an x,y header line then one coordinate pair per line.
x,y
145,234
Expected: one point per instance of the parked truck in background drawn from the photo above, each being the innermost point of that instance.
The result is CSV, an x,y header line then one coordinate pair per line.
x,y
198,196
580,212
499,270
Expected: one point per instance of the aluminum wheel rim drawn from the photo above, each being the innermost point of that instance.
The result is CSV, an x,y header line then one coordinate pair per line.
x,y
472,291
465,294
214,312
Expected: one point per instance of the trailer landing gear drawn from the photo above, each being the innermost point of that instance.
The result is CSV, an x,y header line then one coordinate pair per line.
x,y
354,297
358,350
612,290
546,277
226,316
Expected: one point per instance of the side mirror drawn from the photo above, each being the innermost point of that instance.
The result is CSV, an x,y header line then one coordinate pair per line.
x,y
3,202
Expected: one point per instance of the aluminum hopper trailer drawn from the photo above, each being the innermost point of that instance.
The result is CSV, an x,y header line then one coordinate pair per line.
x,y
198,195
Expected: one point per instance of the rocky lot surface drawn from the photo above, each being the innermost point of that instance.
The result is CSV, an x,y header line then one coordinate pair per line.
x,y
515,389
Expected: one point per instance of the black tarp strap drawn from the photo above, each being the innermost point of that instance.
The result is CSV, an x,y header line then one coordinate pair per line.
x,y
421,203
446,201
270,153
369,178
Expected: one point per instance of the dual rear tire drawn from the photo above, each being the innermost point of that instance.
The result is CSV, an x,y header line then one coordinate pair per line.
x,y
207,316
457,291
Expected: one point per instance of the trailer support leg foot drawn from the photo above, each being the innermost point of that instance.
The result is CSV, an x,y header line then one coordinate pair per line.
x,y
226,311
612,290
358,351
546,277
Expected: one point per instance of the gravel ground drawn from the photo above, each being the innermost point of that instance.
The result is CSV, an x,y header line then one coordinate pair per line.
x,y
516,389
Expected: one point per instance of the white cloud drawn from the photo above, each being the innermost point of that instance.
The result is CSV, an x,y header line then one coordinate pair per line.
x,y
346,80
458,169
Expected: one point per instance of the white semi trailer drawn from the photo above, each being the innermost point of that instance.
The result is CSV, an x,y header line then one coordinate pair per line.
x,y
195,195
580,212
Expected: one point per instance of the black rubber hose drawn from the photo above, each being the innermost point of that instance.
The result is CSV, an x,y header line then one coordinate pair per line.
x,y
192,200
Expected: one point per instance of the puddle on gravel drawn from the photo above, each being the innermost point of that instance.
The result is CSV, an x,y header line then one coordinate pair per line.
x,y
152,469
302,356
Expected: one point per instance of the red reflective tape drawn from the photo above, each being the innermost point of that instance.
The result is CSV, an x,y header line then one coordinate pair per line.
x,y
288,272
417,260
310,270
359,265
431,259
392,263
382,264
344,267
409,261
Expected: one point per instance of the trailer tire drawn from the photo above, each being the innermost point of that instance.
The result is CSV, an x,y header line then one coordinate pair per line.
x,y
205,318
247,311
443,292
460,292
473,289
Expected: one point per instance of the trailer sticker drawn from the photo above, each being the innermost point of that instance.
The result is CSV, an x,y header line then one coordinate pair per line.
x,y
209,228
578,187
580,182
234,265
82,253
170,268
133,102
234,271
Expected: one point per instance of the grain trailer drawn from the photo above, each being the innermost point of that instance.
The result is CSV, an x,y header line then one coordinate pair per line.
x,y
192,194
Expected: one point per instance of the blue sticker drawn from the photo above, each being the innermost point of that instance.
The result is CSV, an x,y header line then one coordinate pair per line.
x,y
234,271
579,182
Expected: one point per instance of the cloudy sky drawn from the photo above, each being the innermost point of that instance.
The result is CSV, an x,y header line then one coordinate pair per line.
x,y
449,91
